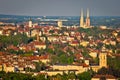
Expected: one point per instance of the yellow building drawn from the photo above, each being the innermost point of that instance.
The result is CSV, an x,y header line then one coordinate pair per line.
x,y
93,54
40,46
69,67
84,43
8,68
45,60
102,62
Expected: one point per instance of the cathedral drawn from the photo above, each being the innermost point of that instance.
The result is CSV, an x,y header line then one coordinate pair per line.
x,y
85,24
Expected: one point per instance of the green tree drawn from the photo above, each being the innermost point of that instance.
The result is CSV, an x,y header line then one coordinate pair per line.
x,y
59,77
103,71
71,76
84,76
38,67
2,74
40,77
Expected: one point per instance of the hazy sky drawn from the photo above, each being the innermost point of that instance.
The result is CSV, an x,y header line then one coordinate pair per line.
x,y
60,7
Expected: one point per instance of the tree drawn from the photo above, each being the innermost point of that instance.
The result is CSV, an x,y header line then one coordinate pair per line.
x,y
14,39
71,76
102,78
114,71
40,77
114,62
2,74
17,76
51,31
38,67
64,76
103,71
59,77
84,76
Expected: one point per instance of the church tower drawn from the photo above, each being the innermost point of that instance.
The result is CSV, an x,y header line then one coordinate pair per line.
x,y
103,60
60,23
82,19
30,23
88,19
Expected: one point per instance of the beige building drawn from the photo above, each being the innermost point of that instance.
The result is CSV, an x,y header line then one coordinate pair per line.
x,y
40,46
34,32
93,54
60,23
70,67
59,69
7,68
102,62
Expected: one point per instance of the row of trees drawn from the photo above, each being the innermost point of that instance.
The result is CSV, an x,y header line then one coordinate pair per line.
x,y
20,76
15,76
95,31
81,76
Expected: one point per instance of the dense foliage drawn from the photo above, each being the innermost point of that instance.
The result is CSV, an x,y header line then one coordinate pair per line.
x,y
13,39
20,76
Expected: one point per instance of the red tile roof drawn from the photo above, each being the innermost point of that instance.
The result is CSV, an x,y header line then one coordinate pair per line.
x,y
106,76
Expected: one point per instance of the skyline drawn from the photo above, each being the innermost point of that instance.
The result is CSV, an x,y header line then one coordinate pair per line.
x,y
60,7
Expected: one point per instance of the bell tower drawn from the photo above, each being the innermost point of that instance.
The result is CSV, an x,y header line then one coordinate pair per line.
x,y
30,23
103,60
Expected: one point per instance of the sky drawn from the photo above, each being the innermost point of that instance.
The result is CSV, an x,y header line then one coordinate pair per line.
x,y
60,7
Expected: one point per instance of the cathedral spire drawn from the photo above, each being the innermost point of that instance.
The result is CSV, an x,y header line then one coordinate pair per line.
x,y
81,12
87,13
88,18
82,19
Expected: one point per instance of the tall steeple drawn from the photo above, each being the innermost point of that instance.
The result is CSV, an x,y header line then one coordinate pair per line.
x,y
82,19
87,13
88,19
